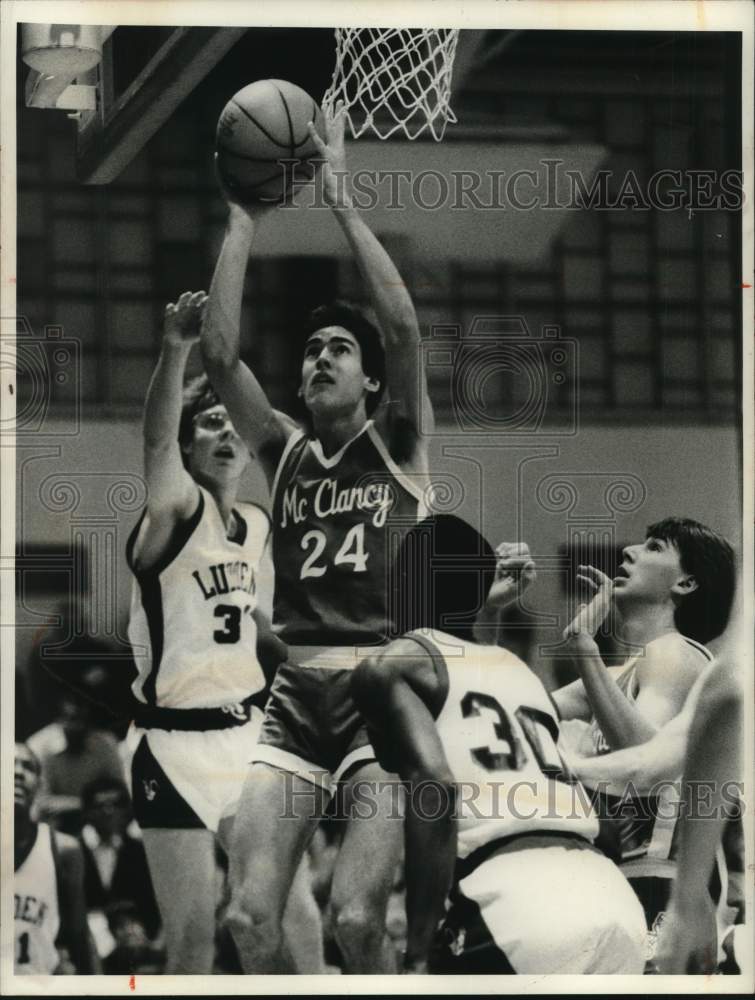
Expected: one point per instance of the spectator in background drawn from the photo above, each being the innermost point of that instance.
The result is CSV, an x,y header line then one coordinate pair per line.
x,y
115,863
51,934
133,951
69,652
73,751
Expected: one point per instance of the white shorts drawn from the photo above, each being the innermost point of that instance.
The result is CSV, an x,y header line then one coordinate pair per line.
x,y
190,779
561,908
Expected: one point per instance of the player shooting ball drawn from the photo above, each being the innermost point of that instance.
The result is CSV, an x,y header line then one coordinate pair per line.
x,y
341,489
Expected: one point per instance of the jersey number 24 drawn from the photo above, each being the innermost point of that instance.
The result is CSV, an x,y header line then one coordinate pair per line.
x,y
351,551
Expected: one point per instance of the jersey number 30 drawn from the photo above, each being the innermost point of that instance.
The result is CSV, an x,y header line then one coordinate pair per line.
x,y
505,752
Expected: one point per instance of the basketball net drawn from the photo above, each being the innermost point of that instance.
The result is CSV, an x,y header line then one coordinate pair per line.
x,y
394,79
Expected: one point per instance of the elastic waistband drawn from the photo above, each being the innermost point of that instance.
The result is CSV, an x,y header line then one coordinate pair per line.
x,y
199,719
646,867
329,657
517,841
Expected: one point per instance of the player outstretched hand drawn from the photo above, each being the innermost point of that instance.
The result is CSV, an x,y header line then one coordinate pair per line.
x,y
514,572
331,149
591,616
183,319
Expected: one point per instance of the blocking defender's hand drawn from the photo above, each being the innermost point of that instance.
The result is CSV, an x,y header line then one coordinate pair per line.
x,y
183,319
591,616
514,572
333,153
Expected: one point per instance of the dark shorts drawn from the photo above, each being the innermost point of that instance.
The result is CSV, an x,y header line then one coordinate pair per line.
x,y
654,894
464,945
311,726
157,803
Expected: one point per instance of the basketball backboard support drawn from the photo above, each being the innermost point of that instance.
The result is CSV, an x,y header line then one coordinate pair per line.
x,y
150,74
135,101
118,112
113,133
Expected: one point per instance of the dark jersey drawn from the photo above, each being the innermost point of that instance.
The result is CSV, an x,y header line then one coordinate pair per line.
x,y
336,523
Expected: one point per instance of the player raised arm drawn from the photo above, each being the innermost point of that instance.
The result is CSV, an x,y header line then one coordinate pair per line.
x,y
572,700
514,572
407,388
665,674
393,691
172,493
261,427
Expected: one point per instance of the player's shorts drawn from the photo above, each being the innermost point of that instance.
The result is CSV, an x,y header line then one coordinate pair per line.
x,y
542,904
312,727
654,894
190,780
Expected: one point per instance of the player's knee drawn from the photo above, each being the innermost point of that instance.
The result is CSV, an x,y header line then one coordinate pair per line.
x,y
258,926
356,923
301,904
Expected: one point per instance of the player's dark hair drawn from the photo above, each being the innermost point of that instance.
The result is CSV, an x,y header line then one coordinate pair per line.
x,y
104,784
340,313
706,555
198,395
441,576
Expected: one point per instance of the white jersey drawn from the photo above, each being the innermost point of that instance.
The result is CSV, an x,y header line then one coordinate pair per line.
x,y
36,912
191,624
647,823
499,731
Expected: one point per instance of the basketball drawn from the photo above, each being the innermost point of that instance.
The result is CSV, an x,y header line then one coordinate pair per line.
x,y
262,125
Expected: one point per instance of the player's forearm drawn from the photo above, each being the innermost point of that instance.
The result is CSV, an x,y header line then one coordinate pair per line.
x,y
571,701
162,407
430,849
387,292
642,767
487,626
713,764
621,723
221,329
